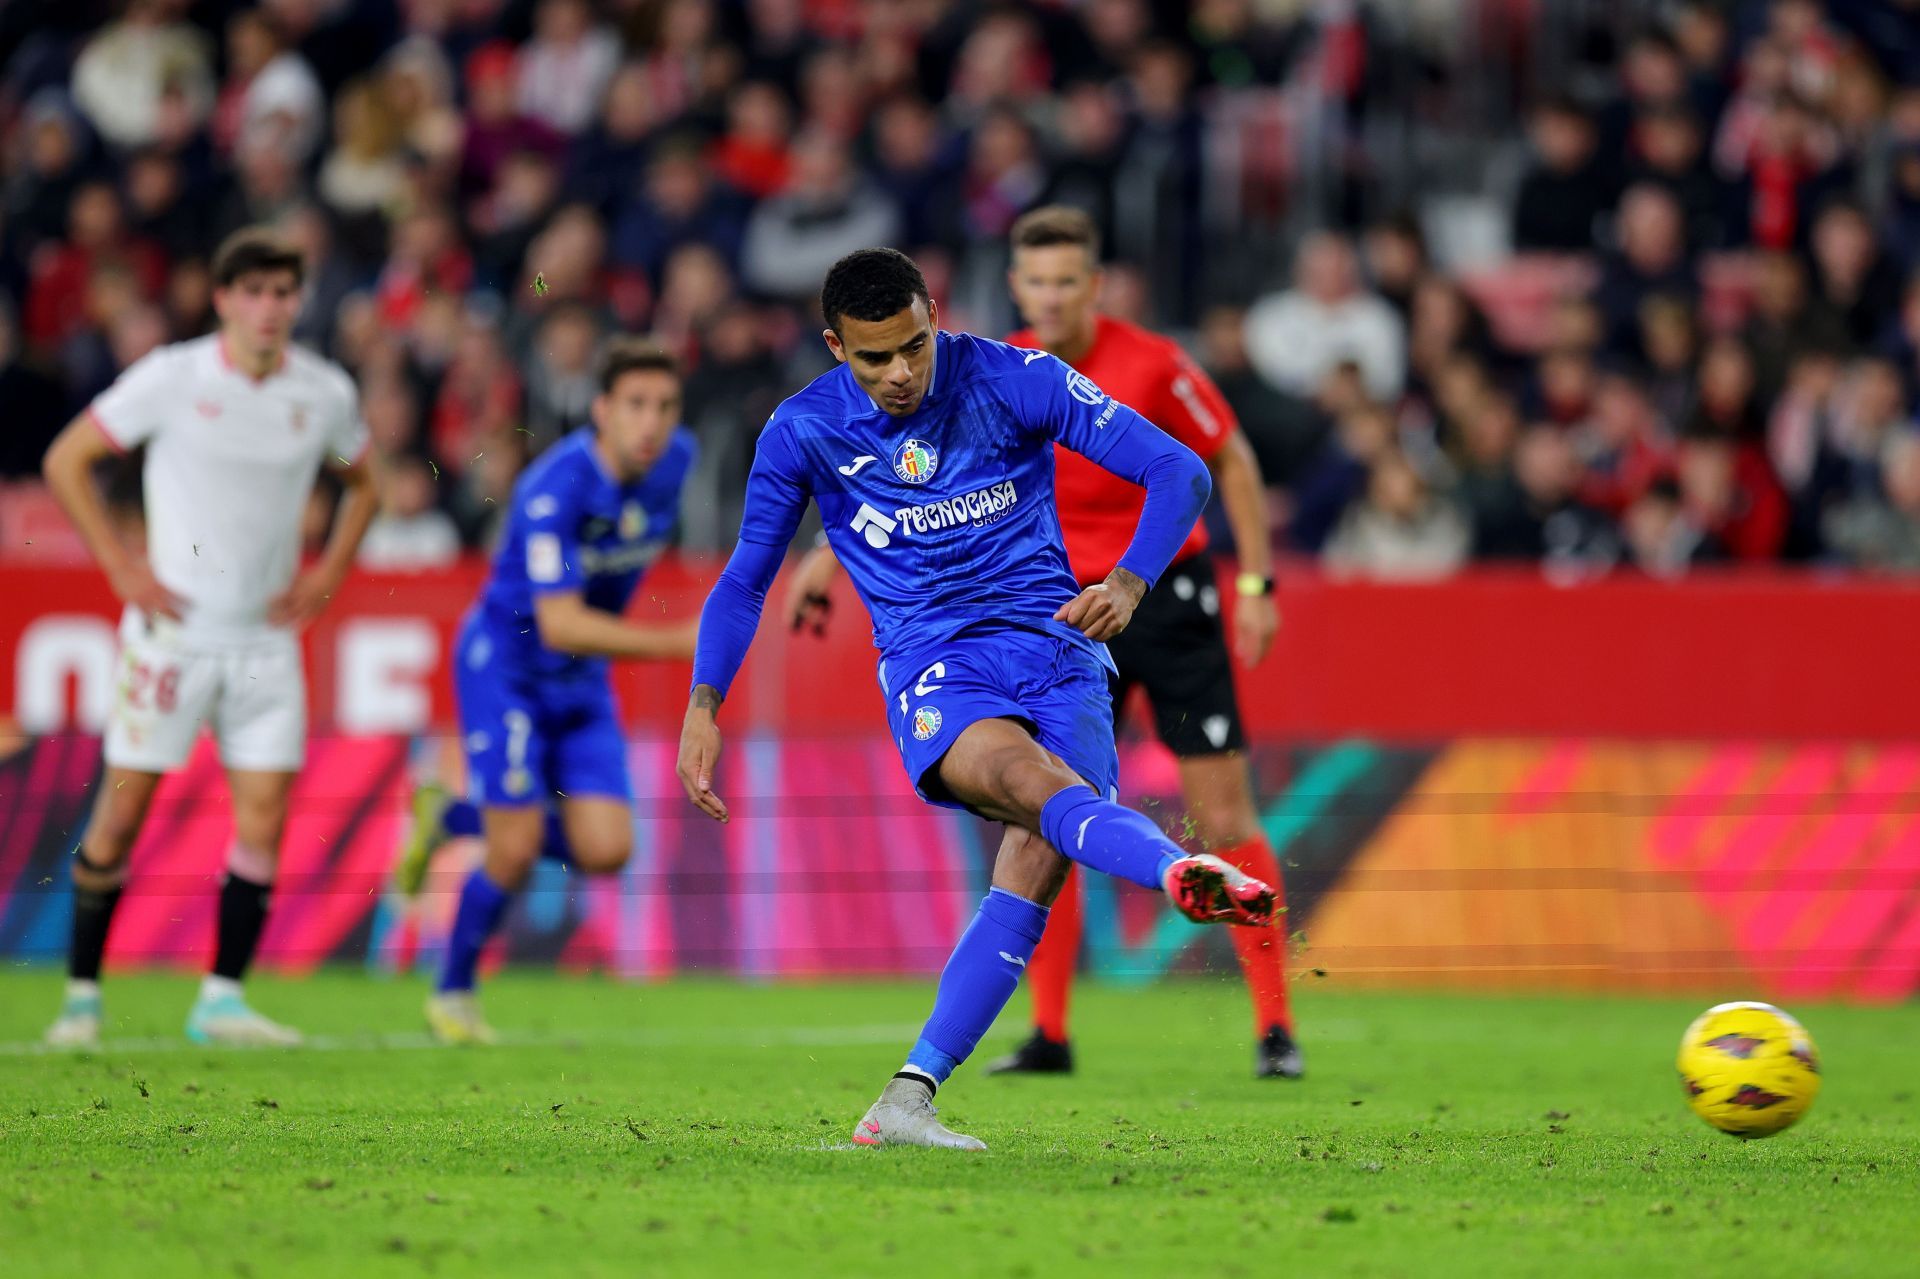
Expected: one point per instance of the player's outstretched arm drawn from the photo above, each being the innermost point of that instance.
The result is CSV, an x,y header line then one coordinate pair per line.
x,y
311,591
1243,495
1177,485
727,625
777,495
568,624
68,468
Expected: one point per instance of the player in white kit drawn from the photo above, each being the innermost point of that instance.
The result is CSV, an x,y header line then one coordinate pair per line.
x,y
236,426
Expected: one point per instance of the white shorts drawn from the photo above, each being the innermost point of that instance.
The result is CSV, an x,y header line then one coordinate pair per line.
x,y
253,697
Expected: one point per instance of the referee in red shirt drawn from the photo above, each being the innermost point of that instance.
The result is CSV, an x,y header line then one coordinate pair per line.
x,y
1176,646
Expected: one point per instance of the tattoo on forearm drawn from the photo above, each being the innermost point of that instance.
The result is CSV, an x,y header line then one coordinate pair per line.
x,y
1129,582
707,697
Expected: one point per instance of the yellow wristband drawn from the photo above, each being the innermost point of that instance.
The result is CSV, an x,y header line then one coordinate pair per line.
x,y
1252,584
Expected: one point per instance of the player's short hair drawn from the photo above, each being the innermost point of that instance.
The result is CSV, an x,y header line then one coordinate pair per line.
x,y
634,355
1052,224
871,284
254,249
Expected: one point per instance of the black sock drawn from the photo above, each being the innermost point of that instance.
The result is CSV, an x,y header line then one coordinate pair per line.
x,y
92,917
243,914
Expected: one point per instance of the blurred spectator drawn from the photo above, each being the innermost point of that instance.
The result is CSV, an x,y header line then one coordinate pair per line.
x,y
1565,190
1396,261
157,205
561,380
1668,342
97,239
1788,171
1853,285
44,170
271,97
1546,521
409,534
268,186
495,127
1728,490
826,212
1623,446
1882,530
603,159
1726,406
916,165
1783,324
1651,262
417,82
1663,540
479,398
35,406
1669,149
145,78
564,69
1296,337
1285,432
392,414
681,204
1399,531
365,173
329,278
752,155
481,490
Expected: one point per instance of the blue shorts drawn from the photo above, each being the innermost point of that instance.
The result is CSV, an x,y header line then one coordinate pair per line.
x,y
1057,689
529,738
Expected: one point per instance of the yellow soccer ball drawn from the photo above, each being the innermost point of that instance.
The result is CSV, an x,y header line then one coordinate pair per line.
x,y
1748,1069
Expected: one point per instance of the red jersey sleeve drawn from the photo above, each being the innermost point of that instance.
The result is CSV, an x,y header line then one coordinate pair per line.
x,y
1191,408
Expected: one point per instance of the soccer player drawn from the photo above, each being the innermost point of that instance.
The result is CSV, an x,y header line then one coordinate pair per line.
x,y
930,457
1175,648
546,757
236,427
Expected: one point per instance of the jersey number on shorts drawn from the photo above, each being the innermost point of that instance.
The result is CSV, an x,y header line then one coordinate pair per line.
x,y
164,683
921,688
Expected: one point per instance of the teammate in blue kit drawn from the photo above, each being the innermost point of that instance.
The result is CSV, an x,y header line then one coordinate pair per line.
x,y
930,456
546,757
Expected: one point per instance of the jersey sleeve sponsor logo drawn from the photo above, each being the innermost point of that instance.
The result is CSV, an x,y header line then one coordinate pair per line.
x,y
1085,389
544,560
915,461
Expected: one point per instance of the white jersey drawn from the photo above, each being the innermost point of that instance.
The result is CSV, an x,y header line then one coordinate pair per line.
x,y
230,464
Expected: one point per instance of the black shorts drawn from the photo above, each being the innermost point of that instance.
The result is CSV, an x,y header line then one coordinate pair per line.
x,y
1176,649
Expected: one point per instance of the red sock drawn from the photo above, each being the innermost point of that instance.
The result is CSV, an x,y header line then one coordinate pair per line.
x,y
1263,951
1050,971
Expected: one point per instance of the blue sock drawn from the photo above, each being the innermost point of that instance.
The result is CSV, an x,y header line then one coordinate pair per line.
x,y
461,820
553,845
483,904
1107,837
979,978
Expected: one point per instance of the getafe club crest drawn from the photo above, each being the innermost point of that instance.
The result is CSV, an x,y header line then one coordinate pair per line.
x,y
633,522
926,722
915,461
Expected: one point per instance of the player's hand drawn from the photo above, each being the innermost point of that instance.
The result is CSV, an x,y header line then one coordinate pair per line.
x,y
134,583
809,606
305,600
699,755
1256,620
1103,610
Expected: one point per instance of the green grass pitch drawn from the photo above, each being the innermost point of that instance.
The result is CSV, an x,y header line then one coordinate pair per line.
x,y
698,1128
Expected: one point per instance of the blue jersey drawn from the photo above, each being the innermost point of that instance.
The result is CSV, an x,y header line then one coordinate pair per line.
x,y
573,527
946,517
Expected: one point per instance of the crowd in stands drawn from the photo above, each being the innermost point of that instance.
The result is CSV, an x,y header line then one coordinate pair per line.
x,y
1699,343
